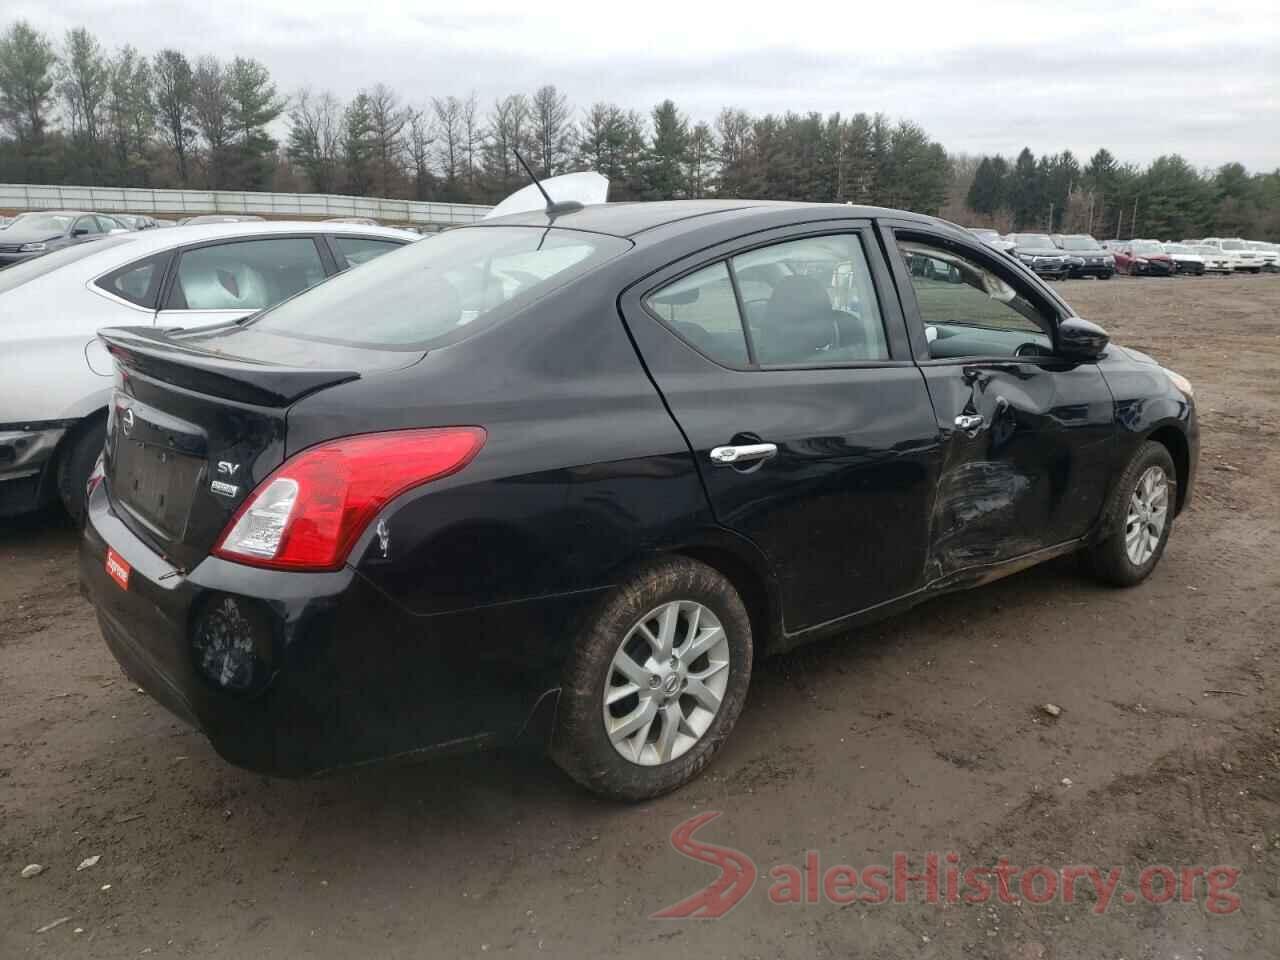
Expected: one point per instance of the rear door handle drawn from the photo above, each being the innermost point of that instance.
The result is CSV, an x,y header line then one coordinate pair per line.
x,y
969,423
726,456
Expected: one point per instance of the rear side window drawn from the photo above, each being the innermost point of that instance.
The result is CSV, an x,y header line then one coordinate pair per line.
x,y
806,302
702,308
443,289
137,282
810,302
245,274
358,250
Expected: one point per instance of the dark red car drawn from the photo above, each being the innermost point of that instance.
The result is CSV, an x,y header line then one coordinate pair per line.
x,y
1143,258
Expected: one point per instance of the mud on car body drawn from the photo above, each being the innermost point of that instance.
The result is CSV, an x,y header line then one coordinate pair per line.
x,y
585,467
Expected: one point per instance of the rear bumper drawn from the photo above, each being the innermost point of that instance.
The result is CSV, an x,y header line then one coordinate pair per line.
x,y
347,676
26,459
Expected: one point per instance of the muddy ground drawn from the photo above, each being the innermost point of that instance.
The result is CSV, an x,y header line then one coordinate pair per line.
x,y
921,734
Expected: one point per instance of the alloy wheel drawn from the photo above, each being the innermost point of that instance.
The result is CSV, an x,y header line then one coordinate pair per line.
x,y
666,683
1148,514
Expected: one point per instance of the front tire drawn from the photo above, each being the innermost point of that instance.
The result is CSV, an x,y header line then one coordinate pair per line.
x,y
655,683
1138,519
75,463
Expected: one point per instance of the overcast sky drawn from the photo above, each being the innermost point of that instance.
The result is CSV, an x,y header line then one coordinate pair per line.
x,y
1138,77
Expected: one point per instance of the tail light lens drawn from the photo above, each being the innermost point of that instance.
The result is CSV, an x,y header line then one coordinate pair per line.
x,y
310,512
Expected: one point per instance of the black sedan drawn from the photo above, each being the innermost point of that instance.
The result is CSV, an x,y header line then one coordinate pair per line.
x,y
35,234
572,473
1040,254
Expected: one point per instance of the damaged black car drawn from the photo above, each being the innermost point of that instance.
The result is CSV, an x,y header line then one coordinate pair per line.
x,y
570,472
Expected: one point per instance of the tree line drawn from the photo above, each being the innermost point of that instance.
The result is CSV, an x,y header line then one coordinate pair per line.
x,y
74,112
1168,199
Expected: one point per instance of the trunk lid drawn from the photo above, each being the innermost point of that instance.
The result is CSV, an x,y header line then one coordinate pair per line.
x,y
191,432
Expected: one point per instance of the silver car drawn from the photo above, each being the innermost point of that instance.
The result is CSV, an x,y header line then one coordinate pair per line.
x,y
53,397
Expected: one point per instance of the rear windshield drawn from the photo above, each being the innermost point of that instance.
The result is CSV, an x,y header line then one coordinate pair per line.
x,y
15,276
440,289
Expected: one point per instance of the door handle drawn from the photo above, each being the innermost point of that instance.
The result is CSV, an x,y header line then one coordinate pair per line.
x,y
727,456
969,423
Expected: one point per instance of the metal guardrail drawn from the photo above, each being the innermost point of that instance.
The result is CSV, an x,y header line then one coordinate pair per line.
x,y
18,196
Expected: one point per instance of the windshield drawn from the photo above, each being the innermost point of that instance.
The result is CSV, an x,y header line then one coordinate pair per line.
x,y
1080,243
1204,249
1147,248
429,292
15,276
1032,240
55,223
1177,248
1232,245
985,234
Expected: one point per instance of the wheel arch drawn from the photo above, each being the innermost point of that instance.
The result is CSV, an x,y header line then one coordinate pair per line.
x,y
742,564
1175,441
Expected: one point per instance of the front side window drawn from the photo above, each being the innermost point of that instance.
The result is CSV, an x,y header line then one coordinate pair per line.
x,y
702,308
969,311
245,274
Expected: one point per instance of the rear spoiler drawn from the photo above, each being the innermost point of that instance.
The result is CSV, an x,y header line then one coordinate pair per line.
x,y
154,354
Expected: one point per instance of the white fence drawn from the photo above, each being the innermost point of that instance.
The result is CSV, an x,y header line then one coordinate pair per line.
x,y
18,196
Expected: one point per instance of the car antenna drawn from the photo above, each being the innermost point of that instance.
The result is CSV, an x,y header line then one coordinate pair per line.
x,y
553,209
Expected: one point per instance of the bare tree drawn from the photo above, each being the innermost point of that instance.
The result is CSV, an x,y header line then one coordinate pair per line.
x,y
552,131
422,137
509,130
85,82
315,137
211,112
387,120
174,87
451,132
472,138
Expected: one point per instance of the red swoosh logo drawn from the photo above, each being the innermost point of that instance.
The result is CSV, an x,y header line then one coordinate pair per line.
x,y
737,874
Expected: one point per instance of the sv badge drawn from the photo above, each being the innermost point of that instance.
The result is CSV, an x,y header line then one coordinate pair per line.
x,y
227,469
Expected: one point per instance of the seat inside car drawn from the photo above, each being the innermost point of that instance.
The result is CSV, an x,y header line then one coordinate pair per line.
x,y
799,323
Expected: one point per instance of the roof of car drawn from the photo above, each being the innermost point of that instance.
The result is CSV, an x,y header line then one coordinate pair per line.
x,y
630,219
147,240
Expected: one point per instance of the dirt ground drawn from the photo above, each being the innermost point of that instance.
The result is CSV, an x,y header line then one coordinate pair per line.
x,y
921,734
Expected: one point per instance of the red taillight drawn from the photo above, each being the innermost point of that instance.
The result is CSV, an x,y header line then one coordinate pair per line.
x,y
309,513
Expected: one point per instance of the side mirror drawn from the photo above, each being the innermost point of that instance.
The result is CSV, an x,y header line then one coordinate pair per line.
x,y
1081,340
80,232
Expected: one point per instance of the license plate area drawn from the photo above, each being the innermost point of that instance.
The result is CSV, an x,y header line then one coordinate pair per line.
x,y
157,484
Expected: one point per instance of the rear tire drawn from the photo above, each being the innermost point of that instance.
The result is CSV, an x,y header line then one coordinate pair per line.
x,y
75,463
633,739
1137,520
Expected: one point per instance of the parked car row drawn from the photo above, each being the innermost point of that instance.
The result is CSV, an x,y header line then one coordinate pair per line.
x,y
1058,256
54,299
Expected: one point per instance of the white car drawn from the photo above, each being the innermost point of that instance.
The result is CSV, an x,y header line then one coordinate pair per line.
x,y
1186,259
1242,258
1267,252
1215,260
57,375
